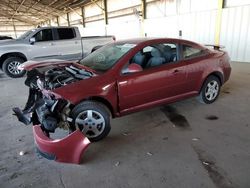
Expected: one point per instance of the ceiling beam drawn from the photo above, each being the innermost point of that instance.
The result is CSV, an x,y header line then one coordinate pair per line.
x,y
17,9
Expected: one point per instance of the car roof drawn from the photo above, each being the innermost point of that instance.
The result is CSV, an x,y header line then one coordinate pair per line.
x,y
146,40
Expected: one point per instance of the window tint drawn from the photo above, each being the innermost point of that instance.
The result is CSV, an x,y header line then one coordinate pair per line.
x,y
44,35
155,55
66,33
190,52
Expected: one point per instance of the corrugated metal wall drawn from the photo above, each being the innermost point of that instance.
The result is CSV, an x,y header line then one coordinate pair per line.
x,y
235,34
165,18
200,26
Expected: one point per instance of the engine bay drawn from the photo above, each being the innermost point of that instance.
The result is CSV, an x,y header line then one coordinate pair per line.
x,y
44,109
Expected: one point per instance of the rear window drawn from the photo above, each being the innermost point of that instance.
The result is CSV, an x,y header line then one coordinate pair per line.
x,y
66,33
191,52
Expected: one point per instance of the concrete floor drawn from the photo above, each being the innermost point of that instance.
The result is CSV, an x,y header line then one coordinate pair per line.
x,y
203,146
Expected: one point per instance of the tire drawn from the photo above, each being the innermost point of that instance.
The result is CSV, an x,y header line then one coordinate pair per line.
x,y
210,90
10,67
93,119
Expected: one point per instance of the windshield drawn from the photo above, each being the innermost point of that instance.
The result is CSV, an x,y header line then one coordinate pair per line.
x,y
26,34
106,57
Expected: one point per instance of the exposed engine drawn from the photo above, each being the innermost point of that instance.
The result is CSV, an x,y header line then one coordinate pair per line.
x,y
46,110
60,76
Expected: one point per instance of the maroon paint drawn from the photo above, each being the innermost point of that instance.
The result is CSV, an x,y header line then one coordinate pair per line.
x,y
67,150
154,86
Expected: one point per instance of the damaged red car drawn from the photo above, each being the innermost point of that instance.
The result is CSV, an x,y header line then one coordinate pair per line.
x,y
118,79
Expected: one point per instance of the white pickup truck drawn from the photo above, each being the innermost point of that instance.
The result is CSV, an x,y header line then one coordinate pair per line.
x,y
47,43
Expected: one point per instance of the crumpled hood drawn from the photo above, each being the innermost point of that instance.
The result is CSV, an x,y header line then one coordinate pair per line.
x,y
29,65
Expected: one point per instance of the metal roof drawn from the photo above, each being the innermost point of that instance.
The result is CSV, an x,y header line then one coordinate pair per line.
x,y
33,12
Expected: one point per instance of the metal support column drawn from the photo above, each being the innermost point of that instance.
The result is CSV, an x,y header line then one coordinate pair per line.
x,y
83,16
57,21
144,9
68,19
105,12
143,17
14,27
221,4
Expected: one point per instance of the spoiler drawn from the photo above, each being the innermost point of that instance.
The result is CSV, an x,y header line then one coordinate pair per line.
x,y
215,46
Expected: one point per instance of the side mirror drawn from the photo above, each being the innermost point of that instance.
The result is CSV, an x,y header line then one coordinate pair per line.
x,y
32,40
132,68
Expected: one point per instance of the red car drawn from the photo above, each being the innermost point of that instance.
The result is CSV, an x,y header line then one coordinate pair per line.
x,y
118,79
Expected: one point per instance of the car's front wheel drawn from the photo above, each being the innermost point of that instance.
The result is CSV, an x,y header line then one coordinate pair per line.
x,y
10,67
210,90
93,119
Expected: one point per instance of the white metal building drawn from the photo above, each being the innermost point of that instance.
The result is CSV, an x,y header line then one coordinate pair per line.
x,y
208,22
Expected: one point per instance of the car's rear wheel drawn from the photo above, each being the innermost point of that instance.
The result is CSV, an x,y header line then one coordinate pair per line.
x,y
210,90
93,119
10,67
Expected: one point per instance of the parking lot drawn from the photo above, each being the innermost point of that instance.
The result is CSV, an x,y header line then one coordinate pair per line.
x,y
185,144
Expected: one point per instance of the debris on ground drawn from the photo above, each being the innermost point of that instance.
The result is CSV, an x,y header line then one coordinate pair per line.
x,y
212,117
195,139
149,153
126,133
117,163
206,163
21,153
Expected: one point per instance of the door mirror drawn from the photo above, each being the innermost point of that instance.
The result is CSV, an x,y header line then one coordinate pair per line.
x,y
132,68
32,40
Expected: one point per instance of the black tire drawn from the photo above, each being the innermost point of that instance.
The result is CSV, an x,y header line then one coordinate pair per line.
x,y
210,90
89,124
10,67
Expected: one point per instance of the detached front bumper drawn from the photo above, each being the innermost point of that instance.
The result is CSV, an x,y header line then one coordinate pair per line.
x,y
67,150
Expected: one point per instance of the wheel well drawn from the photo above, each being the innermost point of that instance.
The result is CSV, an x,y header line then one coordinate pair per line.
x,y
218,75
103,101
12,54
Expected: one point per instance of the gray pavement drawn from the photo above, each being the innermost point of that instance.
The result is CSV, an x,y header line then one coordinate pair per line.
x,y
185,144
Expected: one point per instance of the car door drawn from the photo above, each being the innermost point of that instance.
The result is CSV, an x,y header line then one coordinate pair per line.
x,y
44,47
154,85
68,45
195,59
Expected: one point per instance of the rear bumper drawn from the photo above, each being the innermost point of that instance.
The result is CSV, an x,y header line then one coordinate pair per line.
x,y
67,150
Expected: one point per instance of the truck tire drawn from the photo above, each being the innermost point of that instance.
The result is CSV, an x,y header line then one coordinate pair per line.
x,y
10,67
93,119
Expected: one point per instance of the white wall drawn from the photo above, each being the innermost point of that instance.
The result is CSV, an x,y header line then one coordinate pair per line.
x,y
195,18
235,34
9,30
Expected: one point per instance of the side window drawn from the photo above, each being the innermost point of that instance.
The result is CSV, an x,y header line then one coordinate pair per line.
x,y
44,35
190,52
155,55
66,33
